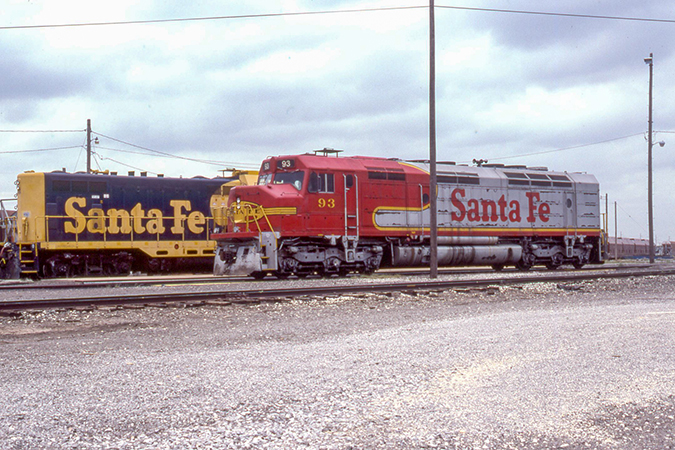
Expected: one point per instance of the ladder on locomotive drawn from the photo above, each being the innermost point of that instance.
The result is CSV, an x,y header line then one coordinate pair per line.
x,y
350,239
28,259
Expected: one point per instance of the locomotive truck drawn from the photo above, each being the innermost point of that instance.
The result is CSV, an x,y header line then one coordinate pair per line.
x,y
323,214
70,224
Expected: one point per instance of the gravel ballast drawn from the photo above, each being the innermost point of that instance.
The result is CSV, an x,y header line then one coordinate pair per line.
x,y
576,365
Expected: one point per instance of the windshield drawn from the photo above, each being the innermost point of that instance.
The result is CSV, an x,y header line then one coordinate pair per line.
x,y
264,179
294,178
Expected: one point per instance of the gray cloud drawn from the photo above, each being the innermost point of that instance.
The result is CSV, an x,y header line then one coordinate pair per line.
x,y
24,78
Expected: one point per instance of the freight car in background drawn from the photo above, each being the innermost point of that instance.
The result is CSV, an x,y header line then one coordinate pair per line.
x,y
634,248
86,224
335,215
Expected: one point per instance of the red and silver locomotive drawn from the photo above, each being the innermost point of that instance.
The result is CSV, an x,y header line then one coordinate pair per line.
x,y
315,213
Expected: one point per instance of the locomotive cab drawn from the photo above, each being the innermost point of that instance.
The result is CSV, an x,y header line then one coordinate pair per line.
x,y
302,217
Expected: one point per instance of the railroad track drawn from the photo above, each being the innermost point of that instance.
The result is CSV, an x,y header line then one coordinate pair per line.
x,y
75,283
273,291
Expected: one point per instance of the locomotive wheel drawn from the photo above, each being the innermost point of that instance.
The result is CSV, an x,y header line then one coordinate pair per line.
x,y
166,265
368,271
523,265
110,270
258,275
498,267
62,269
579,262
281,275
123,267
153,265
555,262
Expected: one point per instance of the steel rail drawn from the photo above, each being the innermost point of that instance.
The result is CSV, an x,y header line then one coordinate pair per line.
x,y
254,295
74,283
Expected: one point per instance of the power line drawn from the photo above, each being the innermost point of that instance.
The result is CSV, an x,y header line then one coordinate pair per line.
x,y
167,155
83,147
143,148
125,165
343,11
195,19
565,148
131,152
632,218
155,153
556,14
42,131
216,162
40,150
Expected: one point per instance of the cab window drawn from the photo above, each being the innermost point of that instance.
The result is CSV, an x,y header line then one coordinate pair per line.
x,y
321,183
264,179
293,178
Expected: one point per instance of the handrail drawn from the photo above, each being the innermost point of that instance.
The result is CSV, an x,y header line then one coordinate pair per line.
x,y
356,209
422,210
358,223
250,214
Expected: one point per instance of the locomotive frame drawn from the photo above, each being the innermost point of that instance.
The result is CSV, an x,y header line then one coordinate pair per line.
x,y
328,215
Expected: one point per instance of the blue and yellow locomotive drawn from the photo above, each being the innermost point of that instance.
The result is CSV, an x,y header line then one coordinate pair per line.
x,y
87,224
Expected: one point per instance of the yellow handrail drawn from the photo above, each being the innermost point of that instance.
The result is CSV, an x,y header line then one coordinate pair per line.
x,y
249,214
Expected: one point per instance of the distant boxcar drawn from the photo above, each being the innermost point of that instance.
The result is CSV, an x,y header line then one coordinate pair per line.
x,y
626,248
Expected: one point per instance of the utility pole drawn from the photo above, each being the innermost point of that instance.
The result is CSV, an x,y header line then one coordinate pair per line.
x,y
88,145
650,206
606,224
607,221
433,226
616,233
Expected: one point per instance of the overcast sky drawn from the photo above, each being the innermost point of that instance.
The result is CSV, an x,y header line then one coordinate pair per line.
x,y
569,93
